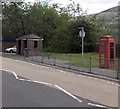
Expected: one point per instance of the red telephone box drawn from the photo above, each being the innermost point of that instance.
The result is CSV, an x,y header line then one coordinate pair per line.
x,y
107,51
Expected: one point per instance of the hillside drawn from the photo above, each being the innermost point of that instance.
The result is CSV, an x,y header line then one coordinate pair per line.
x,y
110,17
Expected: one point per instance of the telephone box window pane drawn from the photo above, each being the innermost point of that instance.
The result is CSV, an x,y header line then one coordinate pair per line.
x,y
103,47
102,55
111,46
111,50
111,56
102,62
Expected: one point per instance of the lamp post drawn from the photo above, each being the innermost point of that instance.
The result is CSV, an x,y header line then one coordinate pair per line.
x,y
82,35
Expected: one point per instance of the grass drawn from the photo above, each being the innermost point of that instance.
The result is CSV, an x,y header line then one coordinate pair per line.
x,y
75,59
118,65
89,58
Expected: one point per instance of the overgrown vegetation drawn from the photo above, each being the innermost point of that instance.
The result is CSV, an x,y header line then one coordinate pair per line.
x,y
57,26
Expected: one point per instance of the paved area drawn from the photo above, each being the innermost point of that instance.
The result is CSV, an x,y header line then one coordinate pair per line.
x,y
98,71
95,89
60,63
17,93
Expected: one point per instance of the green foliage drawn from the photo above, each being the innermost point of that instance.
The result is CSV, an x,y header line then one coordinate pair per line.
x,y
15,19
57,26
42,22
92,30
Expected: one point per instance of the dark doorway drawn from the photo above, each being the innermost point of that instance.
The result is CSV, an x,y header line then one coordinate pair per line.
x,y
35,44
19,46
24,46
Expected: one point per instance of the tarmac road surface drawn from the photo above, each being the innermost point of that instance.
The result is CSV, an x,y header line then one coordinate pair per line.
x,y
21,93
94,89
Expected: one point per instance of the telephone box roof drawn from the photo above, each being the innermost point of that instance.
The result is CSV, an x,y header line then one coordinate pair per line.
x,y
107,36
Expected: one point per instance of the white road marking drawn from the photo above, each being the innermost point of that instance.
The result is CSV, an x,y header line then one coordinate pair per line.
x,y
65,72
6,70
16,60
45,67
60,70
109,82
42,83
96,105
23,62
113,83
74,97
82,76
15,74
90,77
48,84
34,81
31,64
63,90
29,80
34,65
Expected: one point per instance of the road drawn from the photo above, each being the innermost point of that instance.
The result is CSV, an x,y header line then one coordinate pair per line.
x,y
97,90
17,93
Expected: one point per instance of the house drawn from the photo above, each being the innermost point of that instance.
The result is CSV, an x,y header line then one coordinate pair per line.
x,y
32,43
6,42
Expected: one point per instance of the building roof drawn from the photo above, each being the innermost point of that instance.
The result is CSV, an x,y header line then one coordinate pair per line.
x,y
8,38
29,36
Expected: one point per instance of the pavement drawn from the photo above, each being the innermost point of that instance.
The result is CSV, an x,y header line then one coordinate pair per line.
x,y
101,91
21,92
98,71
60,63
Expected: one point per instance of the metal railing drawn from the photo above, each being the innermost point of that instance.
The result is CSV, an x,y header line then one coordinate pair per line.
x,y
73,61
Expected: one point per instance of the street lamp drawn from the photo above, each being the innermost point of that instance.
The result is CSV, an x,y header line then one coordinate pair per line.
x,y
82,35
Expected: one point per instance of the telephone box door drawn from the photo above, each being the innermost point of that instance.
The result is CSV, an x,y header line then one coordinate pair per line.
x,y
103,55
107,52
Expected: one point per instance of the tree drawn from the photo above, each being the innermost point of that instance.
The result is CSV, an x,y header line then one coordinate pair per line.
x,y
43,22
59,42
22,18
92,29
74,9
15,19
57,26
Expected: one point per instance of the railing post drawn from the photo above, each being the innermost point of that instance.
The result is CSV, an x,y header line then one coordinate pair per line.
x,y
54,59
90,65
70,61
42,57
32,55
118,68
